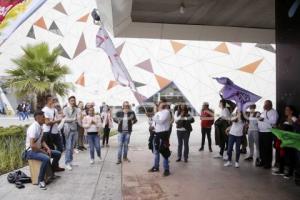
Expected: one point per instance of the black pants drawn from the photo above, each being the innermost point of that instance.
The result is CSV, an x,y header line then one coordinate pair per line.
x,y
289,159
266,148
206,131
106,132
53,141
223,143
183,139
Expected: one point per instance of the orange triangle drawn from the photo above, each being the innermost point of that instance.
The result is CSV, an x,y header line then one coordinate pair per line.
x,y
81,80
222,48
112,84
251,68
41,23
84,18
177,46
162,82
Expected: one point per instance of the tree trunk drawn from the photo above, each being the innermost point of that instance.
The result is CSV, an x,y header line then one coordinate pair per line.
x,y
41,101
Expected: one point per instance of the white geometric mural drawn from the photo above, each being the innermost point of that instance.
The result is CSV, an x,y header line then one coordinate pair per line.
x,y
152,63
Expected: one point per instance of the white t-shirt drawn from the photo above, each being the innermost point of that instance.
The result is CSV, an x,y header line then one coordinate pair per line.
x,y
34,131
225,114
161,121
253,123
237,129
49,113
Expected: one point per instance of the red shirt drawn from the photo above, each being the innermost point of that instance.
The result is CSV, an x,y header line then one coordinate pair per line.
x,y
207,119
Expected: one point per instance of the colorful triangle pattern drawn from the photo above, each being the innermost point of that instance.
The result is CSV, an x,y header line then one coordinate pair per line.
x,y
59,7
81,80
81,46
84,18
177,46
162,82
252,67
146,65
41,23
222,48
112,84
120,48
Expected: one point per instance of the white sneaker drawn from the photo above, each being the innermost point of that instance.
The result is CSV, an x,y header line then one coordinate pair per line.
x,y
227,164
76,151
92,161
225,157
42,185
237,165
68,167
218,156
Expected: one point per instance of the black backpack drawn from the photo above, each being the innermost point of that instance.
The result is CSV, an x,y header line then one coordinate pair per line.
x,y
19,178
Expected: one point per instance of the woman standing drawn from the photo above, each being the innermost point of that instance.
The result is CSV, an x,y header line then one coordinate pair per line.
x,y
92,123
183,124
80,141
107,123
235,136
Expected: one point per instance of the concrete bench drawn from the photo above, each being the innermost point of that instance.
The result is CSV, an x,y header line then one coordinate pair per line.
x,y
34,167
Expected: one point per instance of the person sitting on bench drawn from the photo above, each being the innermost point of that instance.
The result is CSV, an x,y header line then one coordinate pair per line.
x,y
37,149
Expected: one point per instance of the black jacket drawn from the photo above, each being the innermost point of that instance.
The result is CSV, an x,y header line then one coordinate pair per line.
x,y
186,123
119,120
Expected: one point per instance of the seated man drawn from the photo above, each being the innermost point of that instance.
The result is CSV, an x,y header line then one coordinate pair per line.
x,y
37,149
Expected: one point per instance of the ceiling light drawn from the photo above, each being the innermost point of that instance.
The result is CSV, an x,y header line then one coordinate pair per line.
x,y
182,8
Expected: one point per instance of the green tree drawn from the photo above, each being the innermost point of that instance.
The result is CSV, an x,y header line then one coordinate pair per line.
x,y
38,73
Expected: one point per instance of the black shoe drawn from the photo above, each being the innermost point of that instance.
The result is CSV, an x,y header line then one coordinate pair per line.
x,y
185,160
287,176
243,151
153,169
178,160
258,162
249,159
267,167
210,150
119,162
201,149
166,173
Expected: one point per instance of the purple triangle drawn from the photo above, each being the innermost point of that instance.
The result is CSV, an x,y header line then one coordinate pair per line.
x,y
146,65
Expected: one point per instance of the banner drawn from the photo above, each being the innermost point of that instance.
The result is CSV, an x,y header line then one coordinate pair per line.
x,y
13,13
288,139
230,91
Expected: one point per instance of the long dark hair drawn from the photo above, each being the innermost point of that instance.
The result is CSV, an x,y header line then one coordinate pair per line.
x,y
184,110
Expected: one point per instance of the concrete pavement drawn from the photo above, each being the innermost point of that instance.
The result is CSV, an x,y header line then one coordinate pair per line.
x,y
203,177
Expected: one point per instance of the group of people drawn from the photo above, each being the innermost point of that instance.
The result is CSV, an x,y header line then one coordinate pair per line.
x,y
59,129
56,130
23,110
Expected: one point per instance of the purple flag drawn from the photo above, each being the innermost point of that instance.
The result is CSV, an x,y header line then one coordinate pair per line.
x,y
230,91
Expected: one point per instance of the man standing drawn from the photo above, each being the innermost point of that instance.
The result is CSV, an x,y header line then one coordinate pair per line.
x,y
161,124
125,119
207,120
267,120
71,114
50,128
37,149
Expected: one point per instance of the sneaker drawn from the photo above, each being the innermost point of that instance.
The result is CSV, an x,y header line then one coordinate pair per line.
x,y
287,176
250,158
153,169
210,150
243,151
166,173
277,173
227,164
236,165
126,159
76,151
107,145
218,156
42,185
201,149
178,160
100,158
225,157
92,161
68,167
185,160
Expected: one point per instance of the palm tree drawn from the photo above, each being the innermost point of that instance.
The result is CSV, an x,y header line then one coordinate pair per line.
x,y
38,73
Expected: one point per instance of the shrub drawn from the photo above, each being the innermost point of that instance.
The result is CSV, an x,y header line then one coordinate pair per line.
x,y
12,142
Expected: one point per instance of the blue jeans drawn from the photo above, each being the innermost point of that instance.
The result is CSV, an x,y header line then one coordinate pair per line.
x,y
231,140
70,141
123,145
21,116
157,157
94,143
45,159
